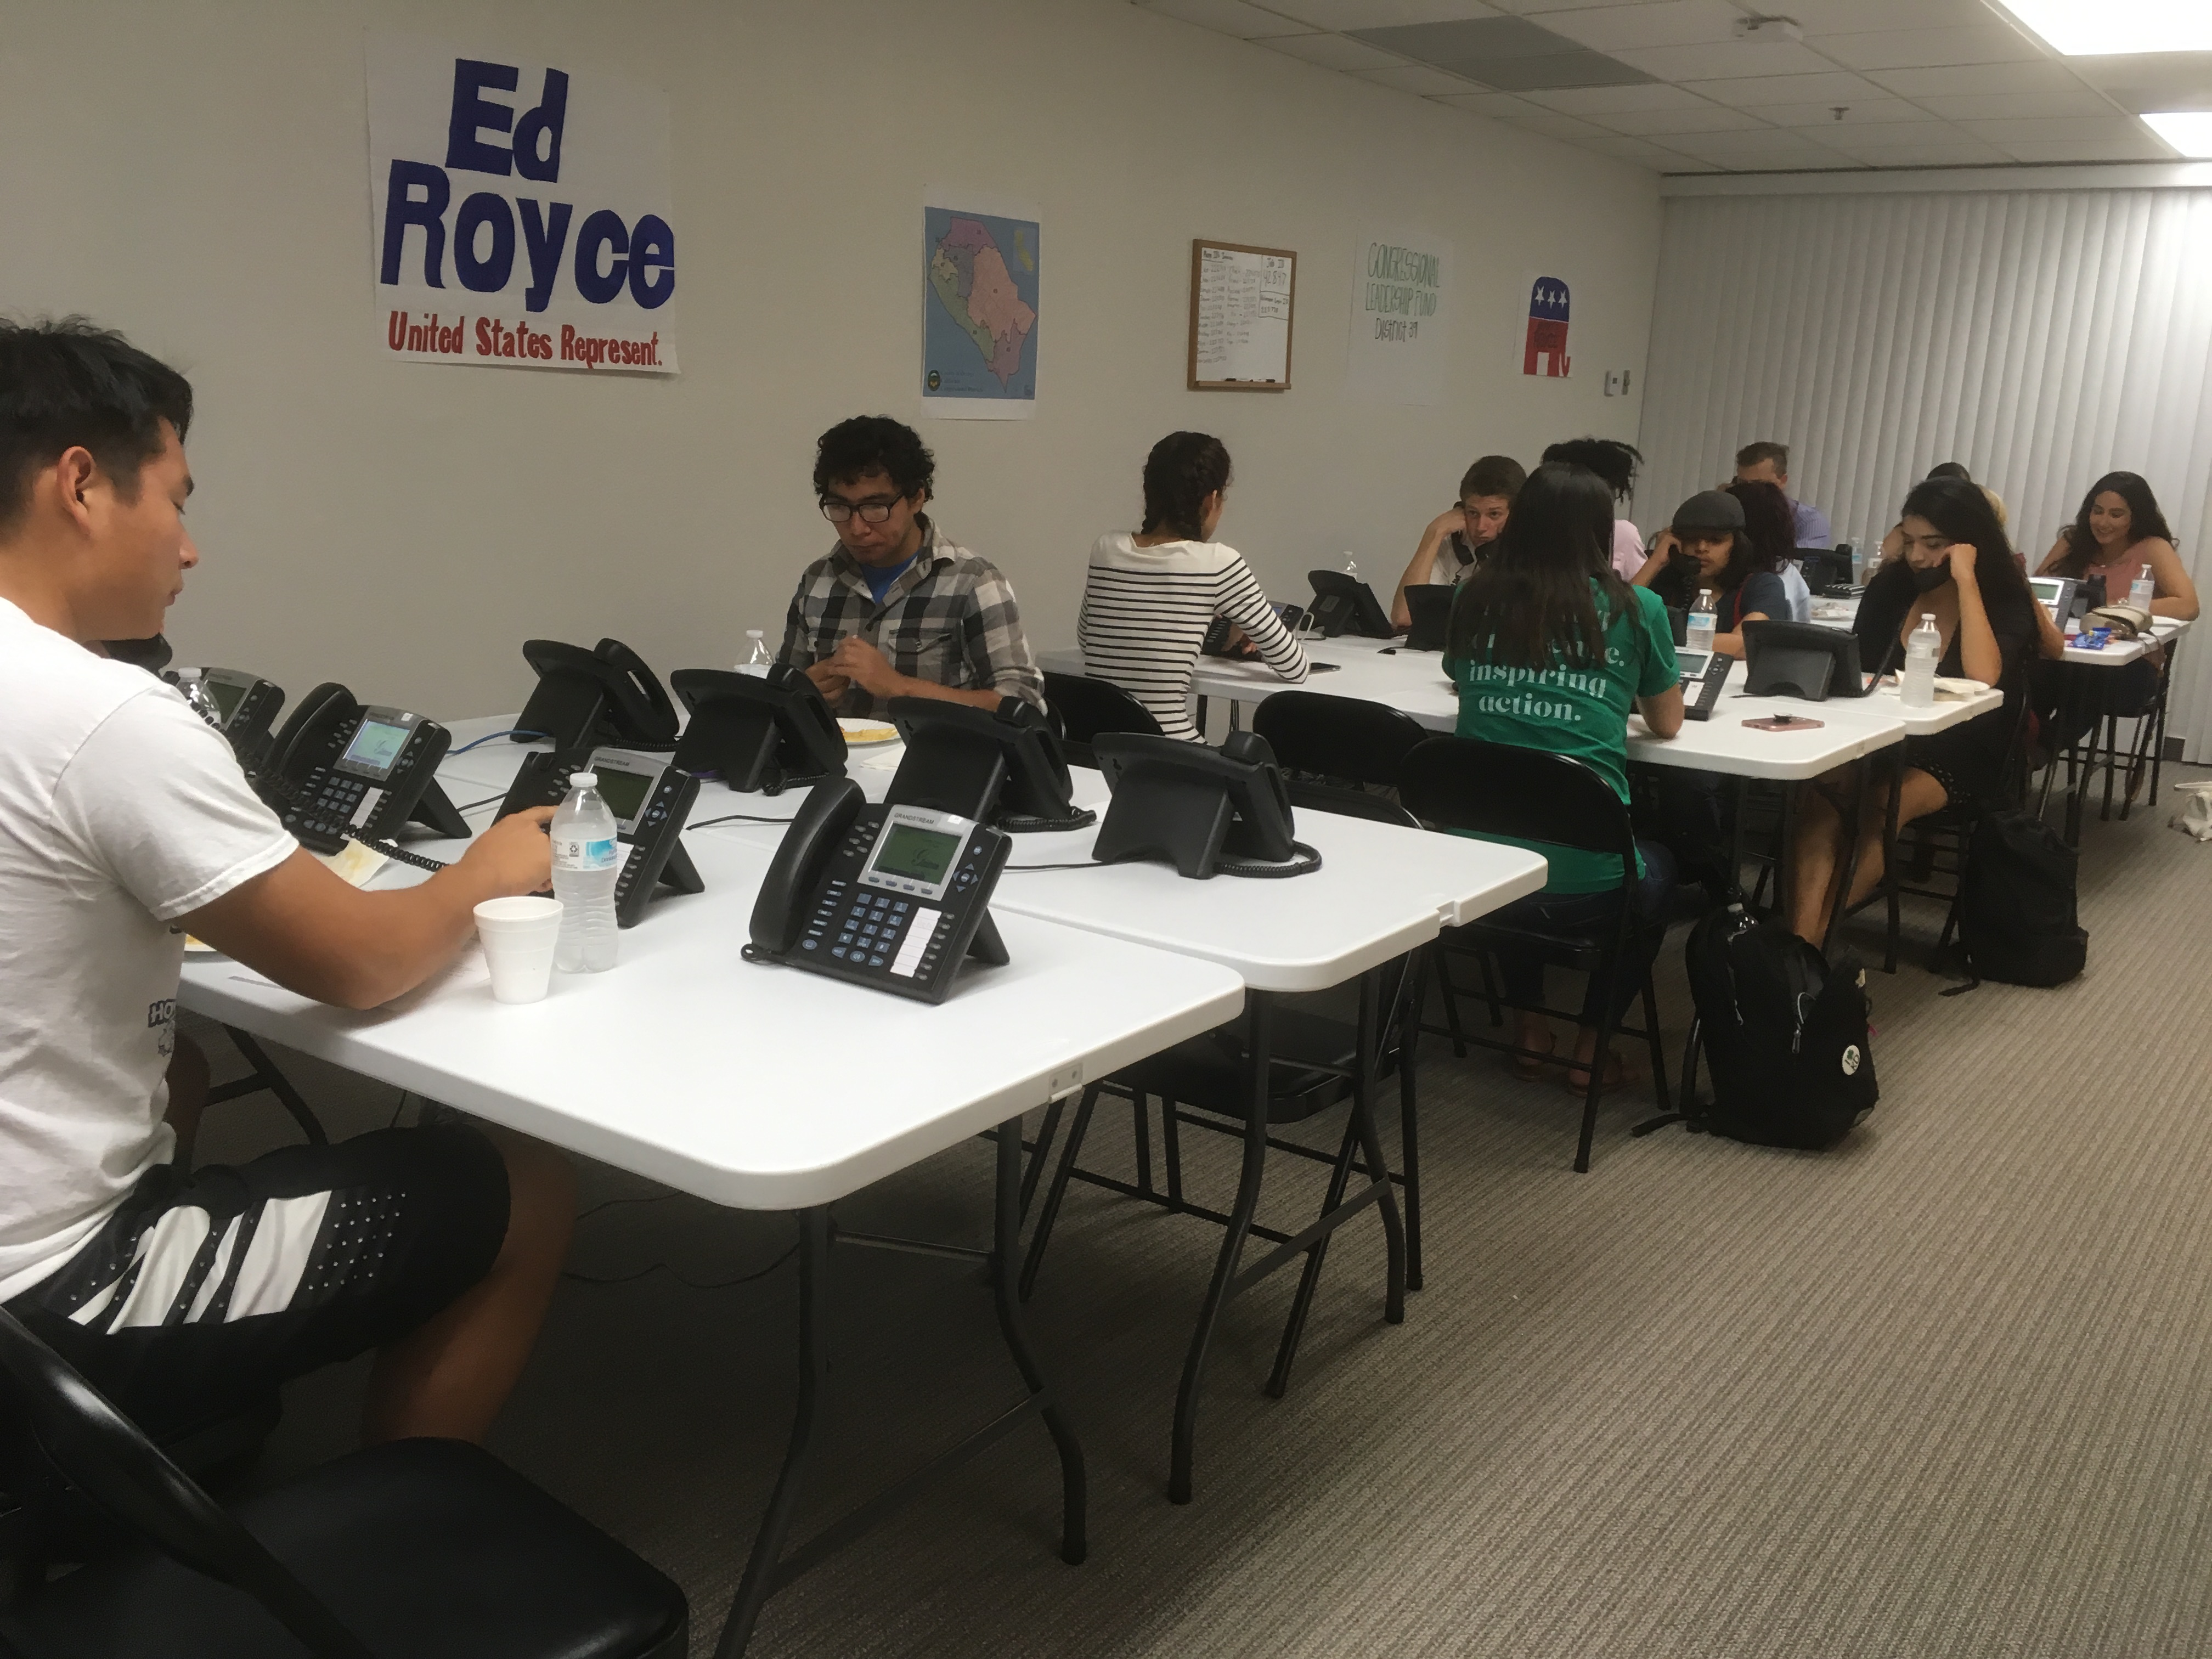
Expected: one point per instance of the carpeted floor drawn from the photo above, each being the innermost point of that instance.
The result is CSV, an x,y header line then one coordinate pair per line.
x,y
1941,1391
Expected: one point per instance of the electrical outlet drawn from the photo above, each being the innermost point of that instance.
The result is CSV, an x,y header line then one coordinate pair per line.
x,y
1613,383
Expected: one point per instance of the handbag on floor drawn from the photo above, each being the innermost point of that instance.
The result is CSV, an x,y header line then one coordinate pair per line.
x,y
2017,921
1783,1033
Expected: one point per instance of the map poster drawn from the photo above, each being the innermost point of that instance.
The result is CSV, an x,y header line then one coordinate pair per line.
x,y
1400,318
979,310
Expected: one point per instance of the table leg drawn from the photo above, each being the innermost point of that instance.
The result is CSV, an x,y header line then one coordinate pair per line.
x,y
759,1580
768,1569
1842,891
1785,875
1257,1013
1006,1269
1889,858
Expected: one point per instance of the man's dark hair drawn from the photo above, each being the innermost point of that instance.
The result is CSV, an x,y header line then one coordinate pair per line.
x,y
1183,469
1493,475
1951,469
71,383
1752,454
1611,459
875,443
1529,604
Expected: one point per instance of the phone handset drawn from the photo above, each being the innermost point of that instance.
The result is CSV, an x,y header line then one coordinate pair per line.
x,y
894,897
646,707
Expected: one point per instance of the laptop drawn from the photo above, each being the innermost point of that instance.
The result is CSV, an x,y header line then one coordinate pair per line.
x,y
1430,603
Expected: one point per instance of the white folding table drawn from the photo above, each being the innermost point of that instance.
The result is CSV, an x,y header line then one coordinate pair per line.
x,y
770,1089
1381,891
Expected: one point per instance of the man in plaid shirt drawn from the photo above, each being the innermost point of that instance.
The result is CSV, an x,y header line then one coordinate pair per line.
x,y
896,611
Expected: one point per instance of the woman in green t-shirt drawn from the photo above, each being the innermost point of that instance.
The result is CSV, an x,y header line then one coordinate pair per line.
x,y
1551,650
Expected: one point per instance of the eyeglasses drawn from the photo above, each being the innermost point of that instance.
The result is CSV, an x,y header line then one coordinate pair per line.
x,y
871,512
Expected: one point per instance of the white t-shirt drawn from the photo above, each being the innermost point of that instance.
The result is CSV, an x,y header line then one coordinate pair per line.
x,y
120,810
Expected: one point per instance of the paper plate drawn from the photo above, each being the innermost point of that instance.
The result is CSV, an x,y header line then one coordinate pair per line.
x,y
859,734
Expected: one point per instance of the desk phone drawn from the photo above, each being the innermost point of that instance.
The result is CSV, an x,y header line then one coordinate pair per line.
x,y
239,704
341,770
895,897
650,799
1704,674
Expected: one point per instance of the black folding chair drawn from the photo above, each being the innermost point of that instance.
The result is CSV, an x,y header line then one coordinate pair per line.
x,y
1492,788
1083,707
1343,740
1312,1060
430,1548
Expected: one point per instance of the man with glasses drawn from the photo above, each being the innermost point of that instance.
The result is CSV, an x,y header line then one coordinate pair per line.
x,y
896,611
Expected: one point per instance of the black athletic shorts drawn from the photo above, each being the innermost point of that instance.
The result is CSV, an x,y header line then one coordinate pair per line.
x,y
209,1287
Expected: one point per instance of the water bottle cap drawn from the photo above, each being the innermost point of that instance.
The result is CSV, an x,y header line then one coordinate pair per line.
x,y
755,633
583,780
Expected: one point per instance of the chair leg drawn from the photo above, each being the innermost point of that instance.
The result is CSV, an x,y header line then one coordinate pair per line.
x,y
1140,1104
1054,1194
1409,1153
1451,1004
1171,1149
1690,1063
1658,1050
1605,1029
1046,1131
1490,991
2111,755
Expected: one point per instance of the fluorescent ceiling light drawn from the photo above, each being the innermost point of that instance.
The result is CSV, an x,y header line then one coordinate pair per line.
x,y
2095,28
2189,131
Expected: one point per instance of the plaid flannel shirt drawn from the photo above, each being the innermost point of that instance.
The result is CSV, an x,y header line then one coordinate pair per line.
x,y
950,618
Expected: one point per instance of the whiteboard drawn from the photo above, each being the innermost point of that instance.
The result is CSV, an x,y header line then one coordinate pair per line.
x,y
1241,304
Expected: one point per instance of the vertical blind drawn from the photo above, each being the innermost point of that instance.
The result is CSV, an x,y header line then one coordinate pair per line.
x,y
2041,338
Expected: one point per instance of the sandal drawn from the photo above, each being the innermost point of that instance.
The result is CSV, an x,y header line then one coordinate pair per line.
x,y
1531,1069
1617,1075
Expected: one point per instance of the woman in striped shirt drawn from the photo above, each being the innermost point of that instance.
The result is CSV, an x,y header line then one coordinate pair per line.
x,y
1150,598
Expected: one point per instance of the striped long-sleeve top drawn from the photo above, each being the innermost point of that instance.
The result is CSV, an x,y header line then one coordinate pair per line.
x,y
1145,611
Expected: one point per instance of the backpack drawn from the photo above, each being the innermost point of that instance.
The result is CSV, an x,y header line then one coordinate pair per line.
x,y
1785,1032
2016,915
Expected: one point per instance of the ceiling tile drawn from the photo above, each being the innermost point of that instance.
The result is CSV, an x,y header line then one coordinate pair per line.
x,y
2179,80
1857,112
1832,86
1858,16
1606,100
1545,7
1649,123
1736,149
1550,122
1379,14
2055,129
1223,16
1933,81
1334,51
1419,79
1668,23
1724,60
1934,152
2144,146
1579,68
1498,104
1646,154
1979,43
2006,106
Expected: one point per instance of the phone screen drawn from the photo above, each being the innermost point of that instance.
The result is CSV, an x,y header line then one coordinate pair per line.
x,y
375,746
225,697
624,792
917,854
1692,663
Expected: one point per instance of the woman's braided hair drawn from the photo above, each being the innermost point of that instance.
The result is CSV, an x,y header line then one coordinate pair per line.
x,y
1183,469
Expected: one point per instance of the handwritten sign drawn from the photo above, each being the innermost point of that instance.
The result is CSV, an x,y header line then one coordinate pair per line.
x,y
1241,302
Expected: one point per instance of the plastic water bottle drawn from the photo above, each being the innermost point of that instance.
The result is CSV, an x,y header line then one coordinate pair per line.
x,y
1920,654
2142,589
587,860
1859,556
758,660
1352,567
1699,636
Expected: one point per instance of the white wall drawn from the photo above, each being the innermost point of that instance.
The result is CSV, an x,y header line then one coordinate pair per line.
x,y
196,175
2041,334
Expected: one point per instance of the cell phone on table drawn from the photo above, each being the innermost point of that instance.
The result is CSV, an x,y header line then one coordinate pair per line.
x,y
1785,723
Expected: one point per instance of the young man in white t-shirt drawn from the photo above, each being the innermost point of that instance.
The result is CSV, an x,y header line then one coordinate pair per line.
x,y
124,821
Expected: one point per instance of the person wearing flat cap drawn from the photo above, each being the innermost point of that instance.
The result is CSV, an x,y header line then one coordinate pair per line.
x,y
1706,547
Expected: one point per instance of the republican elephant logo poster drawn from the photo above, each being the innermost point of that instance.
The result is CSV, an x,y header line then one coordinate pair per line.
x,y
1544,345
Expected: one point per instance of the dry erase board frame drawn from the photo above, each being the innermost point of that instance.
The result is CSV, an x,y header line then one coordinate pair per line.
x,y
1198,247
